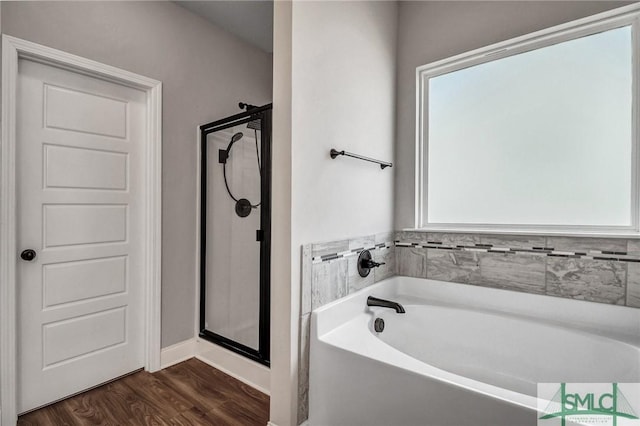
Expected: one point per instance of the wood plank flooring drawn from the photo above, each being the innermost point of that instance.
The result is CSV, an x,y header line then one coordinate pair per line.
x,y
189,393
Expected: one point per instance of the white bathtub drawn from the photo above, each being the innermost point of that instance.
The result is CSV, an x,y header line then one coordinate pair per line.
x,y
461,355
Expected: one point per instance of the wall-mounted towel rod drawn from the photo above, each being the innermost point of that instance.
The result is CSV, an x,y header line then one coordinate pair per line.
x,y
334,153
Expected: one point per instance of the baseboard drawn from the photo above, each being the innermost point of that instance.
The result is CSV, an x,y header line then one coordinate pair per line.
x,y
179,352
249,372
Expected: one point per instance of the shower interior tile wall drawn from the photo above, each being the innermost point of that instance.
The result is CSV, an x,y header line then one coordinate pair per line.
x,y
605,270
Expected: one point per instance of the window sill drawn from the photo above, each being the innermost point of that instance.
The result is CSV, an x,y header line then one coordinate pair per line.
x,y
540,232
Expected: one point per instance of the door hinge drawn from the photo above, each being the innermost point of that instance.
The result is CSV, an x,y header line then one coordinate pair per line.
x,y
259,235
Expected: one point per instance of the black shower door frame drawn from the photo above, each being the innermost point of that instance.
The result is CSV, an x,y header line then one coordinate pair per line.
x,y
263,235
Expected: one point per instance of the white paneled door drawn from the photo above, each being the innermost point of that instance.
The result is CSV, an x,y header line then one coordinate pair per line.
x,y
80,162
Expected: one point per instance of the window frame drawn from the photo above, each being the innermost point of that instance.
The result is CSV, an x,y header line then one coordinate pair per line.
x,y
616,18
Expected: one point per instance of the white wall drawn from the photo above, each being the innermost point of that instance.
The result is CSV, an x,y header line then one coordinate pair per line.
x,y
284,295
205,73
430,31
344,98
342,95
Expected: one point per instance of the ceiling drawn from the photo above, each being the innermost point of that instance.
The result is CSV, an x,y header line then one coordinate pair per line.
x,y
252,21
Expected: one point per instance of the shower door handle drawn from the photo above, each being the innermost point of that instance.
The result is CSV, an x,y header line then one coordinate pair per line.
x,y
259,235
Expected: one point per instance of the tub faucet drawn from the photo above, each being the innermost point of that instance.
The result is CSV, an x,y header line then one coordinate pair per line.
x,y
374,301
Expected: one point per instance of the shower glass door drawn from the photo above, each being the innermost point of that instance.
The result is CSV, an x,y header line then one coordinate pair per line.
x,y
235,221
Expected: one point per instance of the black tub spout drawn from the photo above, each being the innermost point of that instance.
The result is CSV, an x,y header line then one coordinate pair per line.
x,y
374,301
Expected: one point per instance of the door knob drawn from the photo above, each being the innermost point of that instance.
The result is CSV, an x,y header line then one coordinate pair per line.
x,y
28,255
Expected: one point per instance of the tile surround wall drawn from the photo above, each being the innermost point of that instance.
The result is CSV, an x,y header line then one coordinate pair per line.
x,y
329,272
604,270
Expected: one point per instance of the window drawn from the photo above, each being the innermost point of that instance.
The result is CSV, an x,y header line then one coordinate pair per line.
x,y
533,134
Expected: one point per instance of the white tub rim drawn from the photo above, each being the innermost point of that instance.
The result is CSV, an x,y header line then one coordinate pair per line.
x,y
616,322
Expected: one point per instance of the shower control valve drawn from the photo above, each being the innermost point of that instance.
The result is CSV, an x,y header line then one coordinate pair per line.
x,y
366,263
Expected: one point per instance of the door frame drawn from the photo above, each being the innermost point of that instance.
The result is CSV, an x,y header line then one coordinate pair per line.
x,y
13,49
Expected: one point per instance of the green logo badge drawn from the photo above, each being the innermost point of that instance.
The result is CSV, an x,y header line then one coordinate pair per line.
x,y
588,404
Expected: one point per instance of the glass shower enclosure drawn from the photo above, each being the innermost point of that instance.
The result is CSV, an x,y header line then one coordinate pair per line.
x,y
235,234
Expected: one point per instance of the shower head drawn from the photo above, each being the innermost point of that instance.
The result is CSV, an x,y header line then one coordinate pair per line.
x,y
255,124
223,154
235,138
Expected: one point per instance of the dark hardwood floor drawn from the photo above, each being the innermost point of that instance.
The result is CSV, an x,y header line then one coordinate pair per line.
x,y
189,393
